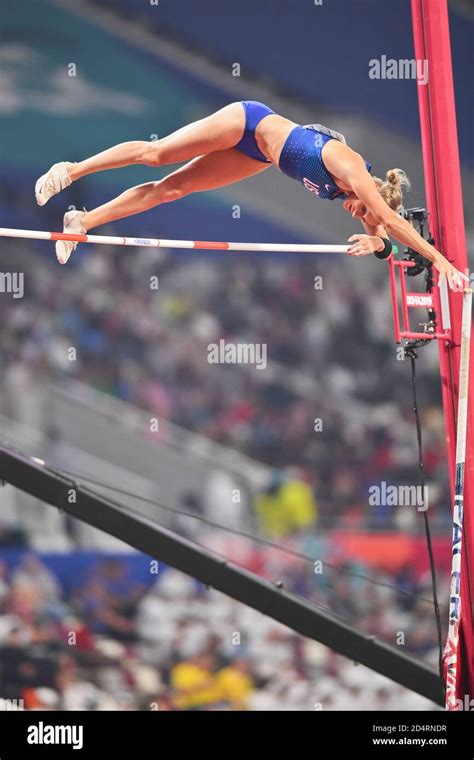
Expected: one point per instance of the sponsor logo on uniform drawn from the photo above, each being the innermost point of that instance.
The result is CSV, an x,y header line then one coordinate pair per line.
x,y
311,186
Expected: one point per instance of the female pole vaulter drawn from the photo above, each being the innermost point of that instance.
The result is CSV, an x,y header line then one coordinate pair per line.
x,y
236,142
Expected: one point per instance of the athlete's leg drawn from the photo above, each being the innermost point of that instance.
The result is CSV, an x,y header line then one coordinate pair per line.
x,y
219,131
202,173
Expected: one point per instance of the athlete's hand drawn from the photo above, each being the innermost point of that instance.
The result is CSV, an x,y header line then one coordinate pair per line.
x,y
457,281
362,245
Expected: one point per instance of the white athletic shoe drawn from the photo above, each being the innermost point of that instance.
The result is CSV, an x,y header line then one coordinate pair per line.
x,y
55,180
72,223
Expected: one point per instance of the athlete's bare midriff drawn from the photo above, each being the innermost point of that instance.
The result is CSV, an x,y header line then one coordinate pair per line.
x,y
271,135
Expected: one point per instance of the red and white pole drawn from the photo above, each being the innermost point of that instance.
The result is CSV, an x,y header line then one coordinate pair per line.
x,y
208,245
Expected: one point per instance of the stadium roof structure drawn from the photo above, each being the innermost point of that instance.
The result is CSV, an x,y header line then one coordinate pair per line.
x,y
34,477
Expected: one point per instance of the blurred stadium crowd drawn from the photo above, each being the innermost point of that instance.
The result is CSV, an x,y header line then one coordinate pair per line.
x,y
150,347
115,645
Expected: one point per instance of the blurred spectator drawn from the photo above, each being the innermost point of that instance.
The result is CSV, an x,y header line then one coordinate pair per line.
x,y
286,506
235,684
194,684
31,573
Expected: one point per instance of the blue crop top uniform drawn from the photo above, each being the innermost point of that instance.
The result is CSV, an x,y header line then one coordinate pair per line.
x,y
300,157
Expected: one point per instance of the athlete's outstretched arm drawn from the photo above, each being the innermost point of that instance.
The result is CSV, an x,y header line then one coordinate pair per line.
x,y
365,188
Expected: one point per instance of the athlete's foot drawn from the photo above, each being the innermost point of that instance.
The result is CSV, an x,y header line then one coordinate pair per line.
x,y
73,223
55,180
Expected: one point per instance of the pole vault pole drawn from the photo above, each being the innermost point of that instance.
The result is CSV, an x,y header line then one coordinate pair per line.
x,y
444,201
455,602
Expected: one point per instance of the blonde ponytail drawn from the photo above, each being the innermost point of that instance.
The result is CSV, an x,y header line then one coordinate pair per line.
x,y
391,189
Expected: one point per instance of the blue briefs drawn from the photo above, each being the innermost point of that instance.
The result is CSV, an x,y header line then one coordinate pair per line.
x,y
254,113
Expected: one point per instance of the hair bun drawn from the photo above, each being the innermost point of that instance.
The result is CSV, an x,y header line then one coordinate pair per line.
x,y
398,179
391,189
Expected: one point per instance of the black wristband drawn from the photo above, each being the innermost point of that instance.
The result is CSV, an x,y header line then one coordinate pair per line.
x,y
387,249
